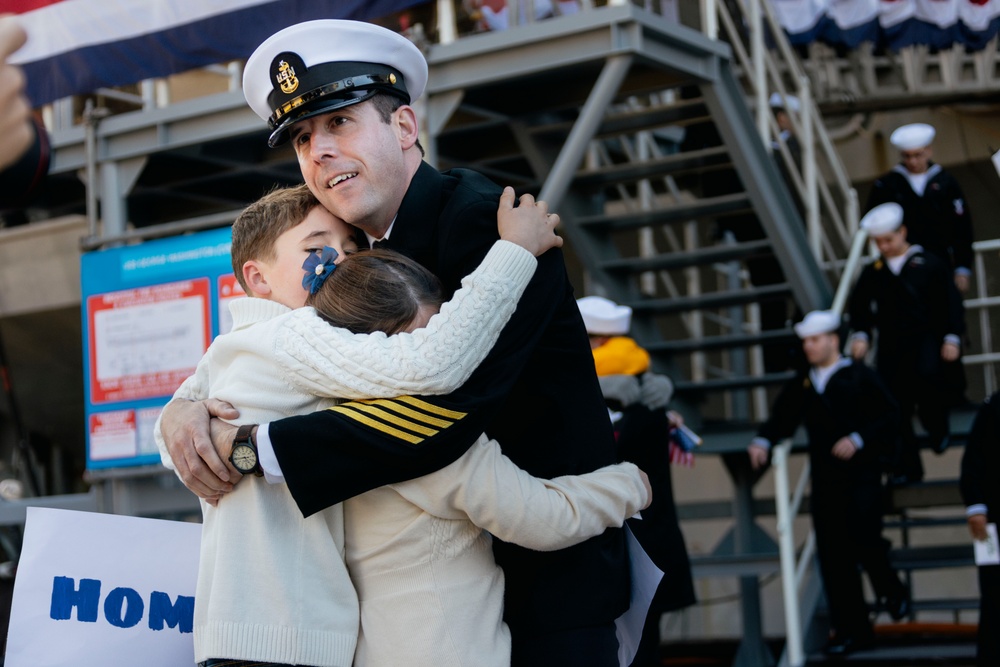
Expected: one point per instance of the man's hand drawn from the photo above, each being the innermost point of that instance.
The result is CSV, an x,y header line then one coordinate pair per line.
x,y
530,225
962,282
950,351
844,449
758,456
657,390
16,127
859,348
185,428
977,526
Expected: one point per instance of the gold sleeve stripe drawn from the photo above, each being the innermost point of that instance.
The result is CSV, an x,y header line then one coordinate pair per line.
x,y
377,425
430,407
407,412
384,415
417,403
405,417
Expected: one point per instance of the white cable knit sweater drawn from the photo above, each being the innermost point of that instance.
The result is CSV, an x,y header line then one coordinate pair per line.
x,y
273,586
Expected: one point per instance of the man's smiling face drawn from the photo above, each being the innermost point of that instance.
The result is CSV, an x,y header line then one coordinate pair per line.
x,y
353,162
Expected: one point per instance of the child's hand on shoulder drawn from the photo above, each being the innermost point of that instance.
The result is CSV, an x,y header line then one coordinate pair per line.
x,y
529,225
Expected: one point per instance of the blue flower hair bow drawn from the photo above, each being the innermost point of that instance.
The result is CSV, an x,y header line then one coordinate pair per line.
x,y
318,266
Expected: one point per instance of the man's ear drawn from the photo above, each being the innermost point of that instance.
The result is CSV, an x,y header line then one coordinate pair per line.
x,y
255,279
409,129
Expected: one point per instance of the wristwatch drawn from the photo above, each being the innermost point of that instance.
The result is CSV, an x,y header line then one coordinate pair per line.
x,y
244,453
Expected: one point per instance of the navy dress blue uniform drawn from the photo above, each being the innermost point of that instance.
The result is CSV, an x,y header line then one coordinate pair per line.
x,y
978,482
913,312
939,219
641,435
846,496
537,393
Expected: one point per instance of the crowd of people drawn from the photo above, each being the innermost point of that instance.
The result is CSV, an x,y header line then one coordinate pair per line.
x,y
414,418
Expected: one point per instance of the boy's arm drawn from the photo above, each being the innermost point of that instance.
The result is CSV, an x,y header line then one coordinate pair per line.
x,y
486,487
333,362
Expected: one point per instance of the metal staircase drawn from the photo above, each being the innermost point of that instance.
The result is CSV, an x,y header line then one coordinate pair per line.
x,y
669,197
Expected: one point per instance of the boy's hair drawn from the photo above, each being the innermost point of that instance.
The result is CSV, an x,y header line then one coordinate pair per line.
x,y
258,227
376,290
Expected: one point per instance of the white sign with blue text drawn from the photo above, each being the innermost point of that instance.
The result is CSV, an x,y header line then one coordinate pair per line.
x,y
94,590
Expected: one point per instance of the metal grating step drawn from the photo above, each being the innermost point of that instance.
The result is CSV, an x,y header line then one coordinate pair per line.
x,y
722,342
708,207
681,260
629,121
688,162
932,557
710,300
738,382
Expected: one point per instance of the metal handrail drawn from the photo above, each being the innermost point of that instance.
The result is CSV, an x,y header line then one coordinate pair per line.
x,y
791,576
764,72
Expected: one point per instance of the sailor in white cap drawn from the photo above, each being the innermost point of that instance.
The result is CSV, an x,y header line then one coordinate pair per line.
x,y
934,208
660,440
340,93
908,297
851,422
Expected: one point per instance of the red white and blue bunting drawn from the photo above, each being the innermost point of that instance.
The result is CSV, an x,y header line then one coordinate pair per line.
x,y
892,24
77,46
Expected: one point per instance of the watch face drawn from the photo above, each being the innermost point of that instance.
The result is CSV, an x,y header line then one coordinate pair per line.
x,y
244,458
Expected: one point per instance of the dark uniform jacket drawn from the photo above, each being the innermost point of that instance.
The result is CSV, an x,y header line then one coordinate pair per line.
x,y
981,460
912,311
939,220
854,401
537,393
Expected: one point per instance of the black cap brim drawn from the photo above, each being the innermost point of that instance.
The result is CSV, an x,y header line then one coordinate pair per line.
x,y
279,134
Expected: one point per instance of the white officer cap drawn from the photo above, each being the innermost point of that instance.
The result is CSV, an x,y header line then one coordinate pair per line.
x,y
913,136
604,317
315,67
818,322
883,219
788,102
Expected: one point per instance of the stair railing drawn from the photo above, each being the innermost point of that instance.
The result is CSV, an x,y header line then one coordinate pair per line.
x,y
981,303
793,570
769,70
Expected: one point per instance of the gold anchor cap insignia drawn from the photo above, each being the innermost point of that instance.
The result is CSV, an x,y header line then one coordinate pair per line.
x,y
286,78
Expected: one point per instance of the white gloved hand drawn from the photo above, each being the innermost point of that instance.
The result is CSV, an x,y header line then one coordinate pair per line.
x,y
622,388
657,390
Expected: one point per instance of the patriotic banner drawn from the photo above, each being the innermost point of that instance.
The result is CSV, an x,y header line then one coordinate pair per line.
x,y
893,24
77,46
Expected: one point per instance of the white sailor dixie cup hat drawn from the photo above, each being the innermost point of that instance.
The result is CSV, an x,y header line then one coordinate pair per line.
x,y
883,219
913,136
776,101
315,67
817,322
604,317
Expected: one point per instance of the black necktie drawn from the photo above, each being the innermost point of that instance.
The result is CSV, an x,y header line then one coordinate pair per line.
x,y
381,244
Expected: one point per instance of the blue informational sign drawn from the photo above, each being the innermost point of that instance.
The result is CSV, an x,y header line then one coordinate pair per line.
x,y
149,313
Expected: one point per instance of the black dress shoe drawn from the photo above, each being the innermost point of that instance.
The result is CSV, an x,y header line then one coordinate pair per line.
x,y
839,646
899,608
